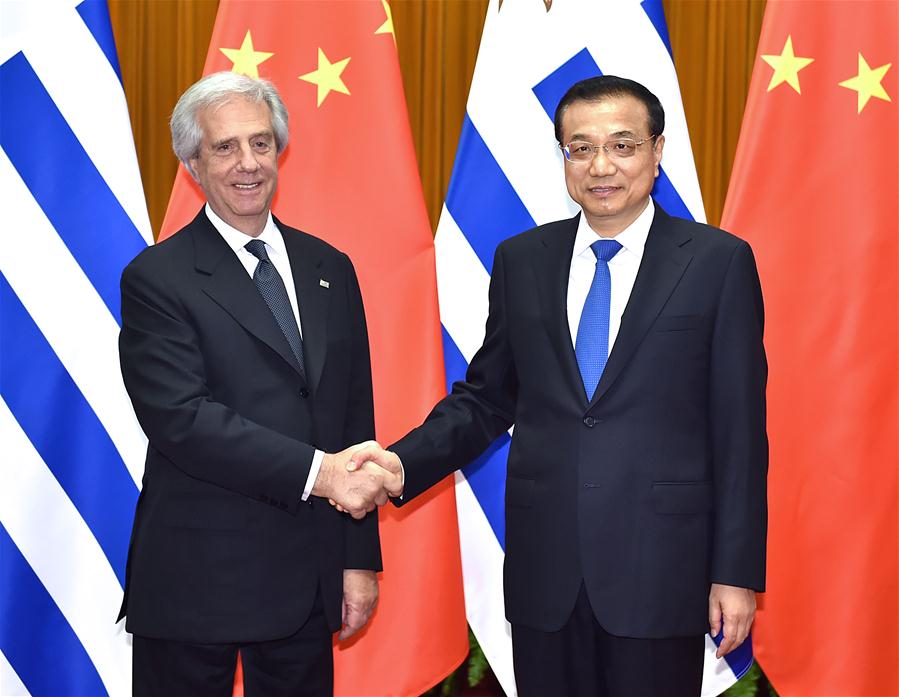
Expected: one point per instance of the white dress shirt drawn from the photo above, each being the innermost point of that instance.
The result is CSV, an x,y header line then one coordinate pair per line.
x,y
623,269
277,253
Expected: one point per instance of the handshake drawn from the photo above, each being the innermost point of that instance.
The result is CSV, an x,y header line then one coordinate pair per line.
x,y
359,478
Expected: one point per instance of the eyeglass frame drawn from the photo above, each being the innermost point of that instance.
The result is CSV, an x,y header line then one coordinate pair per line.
x,y
604,147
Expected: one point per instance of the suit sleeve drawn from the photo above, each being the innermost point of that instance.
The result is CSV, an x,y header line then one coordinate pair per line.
x,y
465,422
363,547
738,378
164,374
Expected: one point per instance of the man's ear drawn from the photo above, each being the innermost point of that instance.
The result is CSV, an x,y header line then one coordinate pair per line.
x,y
657,151
192,169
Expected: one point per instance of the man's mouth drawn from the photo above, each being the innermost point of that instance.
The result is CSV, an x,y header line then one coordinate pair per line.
x,y
603,190
247,187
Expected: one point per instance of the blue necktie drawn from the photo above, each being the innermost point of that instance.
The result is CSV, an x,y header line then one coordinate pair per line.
x,y
270,285
592,344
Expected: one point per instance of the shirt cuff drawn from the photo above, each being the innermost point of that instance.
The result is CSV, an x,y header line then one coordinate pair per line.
x,y
313,473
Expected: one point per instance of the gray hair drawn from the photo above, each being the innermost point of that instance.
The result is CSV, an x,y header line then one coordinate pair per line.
x,y
214,90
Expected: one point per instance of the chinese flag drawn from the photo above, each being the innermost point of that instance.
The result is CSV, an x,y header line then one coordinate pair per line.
x,y
349,176
814,190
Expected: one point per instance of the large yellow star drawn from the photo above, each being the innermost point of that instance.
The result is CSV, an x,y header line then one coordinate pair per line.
x,y
327,76
867,82
786,67
387,27
246,60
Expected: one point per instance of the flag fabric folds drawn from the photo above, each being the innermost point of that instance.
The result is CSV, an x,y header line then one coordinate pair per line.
x,y
349,176
74,216
508,177
814,191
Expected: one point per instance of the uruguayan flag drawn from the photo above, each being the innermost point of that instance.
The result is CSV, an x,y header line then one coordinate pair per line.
x,y
73,216
508,177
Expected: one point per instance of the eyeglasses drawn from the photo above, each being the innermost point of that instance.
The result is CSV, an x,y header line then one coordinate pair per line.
x,y
619,148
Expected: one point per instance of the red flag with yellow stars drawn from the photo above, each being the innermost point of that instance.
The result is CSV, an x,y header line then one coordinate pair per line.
x,y
350,177
814,190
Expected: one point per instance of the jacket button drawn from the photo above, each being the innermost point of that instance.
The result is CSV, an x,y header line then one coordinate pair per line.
x,y
304,392
589,421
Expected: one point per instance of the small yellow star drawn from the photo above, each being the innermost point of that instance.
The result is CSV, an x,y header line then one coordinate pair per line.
x,y
327,76
867,83
246,60
786,67
387,27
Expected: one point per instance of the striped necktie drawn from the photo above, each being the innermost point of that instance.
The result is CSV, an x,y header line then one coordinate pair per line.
x,y
270,285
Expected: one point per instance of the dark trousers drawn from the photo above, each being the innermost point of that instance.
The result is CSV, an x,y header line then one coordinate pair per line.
x,y
584,659
300,665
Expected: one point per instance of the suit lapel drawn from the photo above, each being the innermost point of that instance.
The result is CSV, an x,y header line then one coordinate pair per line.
x,y
231,287
663,265
313,297
552,265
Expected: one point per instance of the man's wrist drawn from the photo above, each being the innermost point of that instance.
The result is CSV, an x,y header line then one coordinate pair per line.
x,y
402,470
323,486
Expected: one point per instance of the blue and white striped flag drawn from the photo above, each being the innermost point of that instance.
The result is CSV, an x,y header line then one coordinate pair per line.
x,y
508,177
74,215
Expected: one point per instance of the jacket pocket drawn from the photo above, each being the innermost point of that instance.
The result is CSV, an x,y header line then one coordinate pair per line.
x,y
677,323
681,498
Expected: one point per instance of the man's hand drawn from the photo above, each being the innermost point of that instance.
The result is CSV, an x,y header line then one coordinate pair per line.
x,y
360,595
356,491
735,608
368,454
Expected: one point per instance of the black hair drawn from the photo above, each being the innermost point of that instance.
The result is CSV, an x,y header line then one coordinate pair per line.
x,y
596,89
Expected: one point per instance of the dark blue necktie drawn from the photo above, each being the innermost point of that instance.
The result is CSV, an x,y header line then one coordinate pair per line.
x,y
592,344
270,285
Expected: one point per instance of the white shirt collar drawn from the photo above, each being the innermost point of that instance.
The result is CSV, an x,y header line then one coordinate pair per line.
x,y
236,239
632,238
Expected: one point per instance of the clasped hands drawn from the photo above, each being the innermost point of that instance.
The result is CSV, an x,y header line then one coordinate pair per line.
x,y
359,478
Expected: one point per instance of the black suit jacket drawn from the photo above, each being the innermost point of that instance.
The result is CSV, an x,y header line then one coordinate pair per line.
x,y
222,549
656,487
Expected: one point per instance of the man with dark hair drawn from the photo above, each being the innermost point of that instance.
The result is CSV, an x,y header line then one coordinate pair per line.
x,y
595,89
245,353
625,346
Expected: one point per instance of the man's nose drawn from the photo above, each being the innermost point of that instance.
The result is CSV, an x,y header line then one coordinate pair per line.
x,y
247,161
601,164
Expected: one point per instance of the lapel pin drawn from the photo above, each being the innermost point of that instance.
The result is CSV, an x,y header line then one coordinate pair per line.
x,y
323,283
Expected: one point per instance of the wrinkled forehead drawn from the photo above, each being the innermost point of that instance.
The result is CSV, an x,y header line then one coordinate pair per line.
x,y
612,116
235,117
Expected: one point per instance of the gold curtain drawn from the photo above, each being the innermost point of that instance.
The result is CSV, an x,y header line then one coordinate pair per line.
x,y
714,44
162,47
437,44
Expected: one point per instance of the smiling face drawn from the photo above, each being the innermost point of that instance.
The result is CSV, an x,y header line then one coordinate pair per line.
x,y
611,191
237,164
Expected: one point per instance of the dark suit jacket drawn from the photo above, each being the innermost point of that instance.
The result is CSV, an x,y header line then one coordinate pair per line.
x,y
222,549
656,487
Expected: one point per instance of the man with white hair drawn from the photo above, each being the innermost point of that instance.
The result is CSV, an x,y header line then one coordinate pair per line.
x,y
245,353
